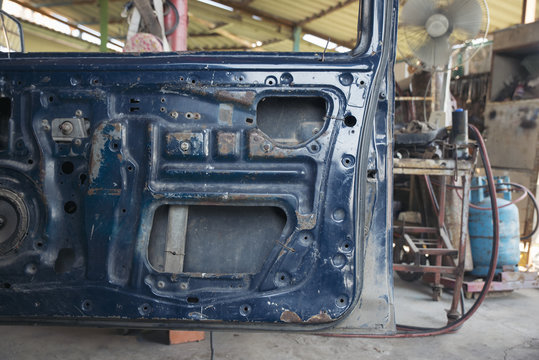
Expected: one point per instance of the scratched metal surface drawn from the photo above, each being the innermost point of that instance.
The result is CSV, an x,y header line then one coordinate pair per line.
x,y
84,258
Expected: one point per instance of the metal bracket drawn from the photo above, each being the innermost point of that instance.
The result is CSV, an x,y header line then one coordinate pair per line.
x,y
68,129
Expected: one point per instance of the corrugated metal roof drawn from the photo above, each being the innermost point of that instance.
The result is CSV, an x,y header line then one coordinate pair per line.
x,y
272,24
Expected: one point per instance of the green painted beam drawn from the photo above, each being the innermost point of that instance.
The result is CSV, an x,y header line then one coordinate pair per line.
x,y
104,26
297,38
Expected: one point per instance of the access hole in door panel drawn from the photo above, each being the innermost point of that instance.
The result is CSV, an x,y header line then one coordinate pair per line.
x,y
291,120
214,239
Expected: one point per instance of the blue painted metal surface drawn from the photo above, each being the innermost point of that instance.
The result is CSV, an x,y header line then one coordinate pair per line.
x,y
90,200
480,229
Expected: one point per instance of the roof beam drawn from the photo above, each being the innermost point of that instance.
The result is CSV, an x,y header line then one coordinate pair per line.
x,y
220,30
69,3
280,21
327,11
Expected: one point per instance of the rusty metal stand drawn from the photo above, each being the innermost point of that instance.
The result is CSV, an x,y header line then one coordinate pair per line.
x,y
439,244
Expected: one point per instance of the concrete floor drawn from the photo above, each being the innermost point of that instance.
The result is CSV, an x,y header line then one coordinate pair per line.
x,y
505,327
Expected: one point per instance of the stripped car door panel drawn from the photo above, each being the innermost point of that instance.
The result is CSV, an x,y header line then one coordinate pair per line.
x,y
200,190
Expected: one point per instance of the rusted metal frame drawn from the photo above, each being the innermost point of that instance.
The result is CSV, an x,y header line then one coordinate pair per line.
x,y
248,10
510,281
453,313
429,167
410,243
432,196
442,197
438,251
425,269
415,229
325,12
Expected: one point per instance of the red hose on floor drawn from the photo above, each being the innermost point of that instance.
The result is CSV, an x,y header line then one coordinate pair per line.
x,y
405,331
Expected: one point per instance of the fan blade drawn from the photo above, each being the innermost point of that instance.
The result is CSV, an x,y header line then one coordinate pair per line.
x,y
416,12
466,16
435,52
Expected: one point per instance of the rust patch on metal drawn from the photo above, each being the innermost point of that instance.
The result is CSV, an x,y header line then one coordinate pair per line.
x,y
306,221
226,143
319,318
261,146
290,317
226,113
101,191
239,97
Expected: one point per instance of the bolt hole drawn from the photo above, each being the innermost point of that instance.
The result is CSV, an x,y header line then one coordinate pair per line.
x,y
192,300
362,82
193,81
270,82
282,277
115,145
86,305
67,167
82,178
51,98
341,300
39,244
70,207
162,100
162,109
371,174
124,211
249,120
129,168
30,161
96,81
314,147
350,121
346,246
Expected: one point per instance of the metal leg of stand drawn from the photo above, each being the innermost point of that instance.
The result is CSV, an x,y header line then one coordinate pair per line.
x,y
453,313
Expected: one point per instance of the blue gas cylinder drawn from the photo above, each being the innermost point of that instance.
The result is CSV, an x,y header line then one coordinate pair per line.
x,y
480,229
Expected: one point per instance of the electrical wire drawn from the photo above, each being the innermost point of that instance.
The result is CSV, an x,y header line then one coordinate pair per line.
x,y
176,16
407,331
212,352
